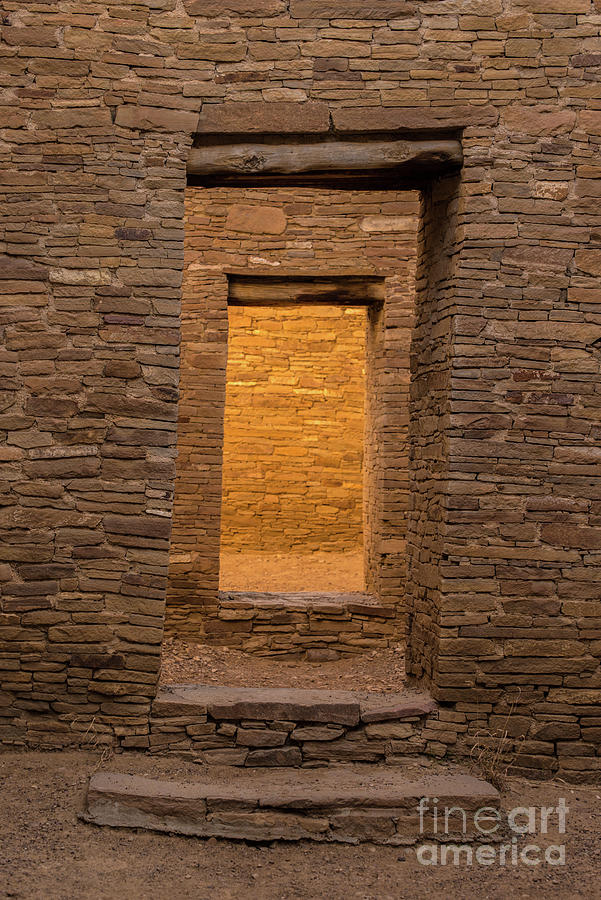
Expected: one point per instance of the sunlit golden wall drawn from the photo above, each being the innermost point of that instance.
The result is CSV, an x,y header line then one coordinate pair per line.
x,y
292,464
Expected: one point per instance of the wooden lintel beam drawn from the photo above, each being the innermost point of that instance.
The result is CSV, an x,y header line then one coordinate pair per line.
x,y
351,291
334,158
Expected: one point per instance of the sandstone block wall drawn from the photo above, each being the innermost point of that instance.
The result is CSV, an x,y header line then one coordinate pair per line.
x,y
293,432
101,103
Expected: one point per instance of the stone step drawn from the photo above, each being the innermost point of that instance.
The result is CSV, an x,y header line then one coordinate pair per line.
x,y
298,704
284,726
298,601
319,624
347,804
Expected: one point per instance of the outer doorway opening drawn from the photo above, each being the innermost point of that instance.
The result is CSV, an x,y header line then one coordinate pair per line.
x,y
244,233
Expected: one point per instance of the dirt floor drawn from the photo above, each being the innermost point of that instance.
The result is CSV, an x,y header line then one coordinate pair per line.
x,y
382,670
47,854
183,662
291,571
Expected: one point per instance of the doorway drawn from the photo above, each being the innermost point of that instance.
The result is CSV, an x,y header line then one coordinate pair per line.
x,y
292,496
293,445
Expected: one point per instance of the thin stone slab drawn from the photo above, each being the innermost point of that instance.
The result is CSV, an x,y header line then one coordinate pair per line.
x,y
262,704
290,704
357,602
396,708
330,805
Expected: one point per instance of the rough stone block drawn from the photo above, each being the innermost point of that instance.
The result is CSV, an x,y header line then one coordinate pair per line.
x,y
247,117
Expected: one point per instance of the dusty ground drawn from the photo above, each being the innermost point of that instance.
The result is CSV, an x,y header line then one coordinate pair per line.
x,y
46,854
378,670
291,571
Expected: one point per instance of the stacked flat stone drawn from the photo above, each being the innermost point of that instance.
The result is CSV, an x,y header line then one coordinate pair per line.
x,y
312,625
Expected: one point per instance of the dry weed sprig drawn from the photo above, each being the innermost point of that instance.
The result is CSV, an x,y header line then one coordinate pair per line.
x,y
494,752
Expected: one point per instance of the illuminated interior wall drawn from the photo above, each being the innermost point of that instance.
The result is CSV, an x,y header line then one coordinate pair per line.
x,y
294,422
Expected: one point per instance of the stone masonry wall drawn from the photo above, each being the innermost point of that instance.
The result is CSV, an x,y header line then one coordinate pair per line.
x,y
293,437
101,102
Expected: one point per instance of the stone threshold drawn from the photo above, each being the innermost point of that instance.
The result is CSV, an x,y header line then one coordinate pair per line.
x,y
322,625
317,601
302,704
349,804
294,727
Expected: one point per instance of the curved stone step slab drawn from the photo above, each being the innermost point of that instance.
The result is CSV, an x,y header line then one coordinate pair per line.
x,y
343,805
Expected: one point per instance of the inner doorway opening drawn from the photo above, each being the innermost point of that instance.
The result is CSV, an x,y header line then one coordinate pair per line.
x,y
292,496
